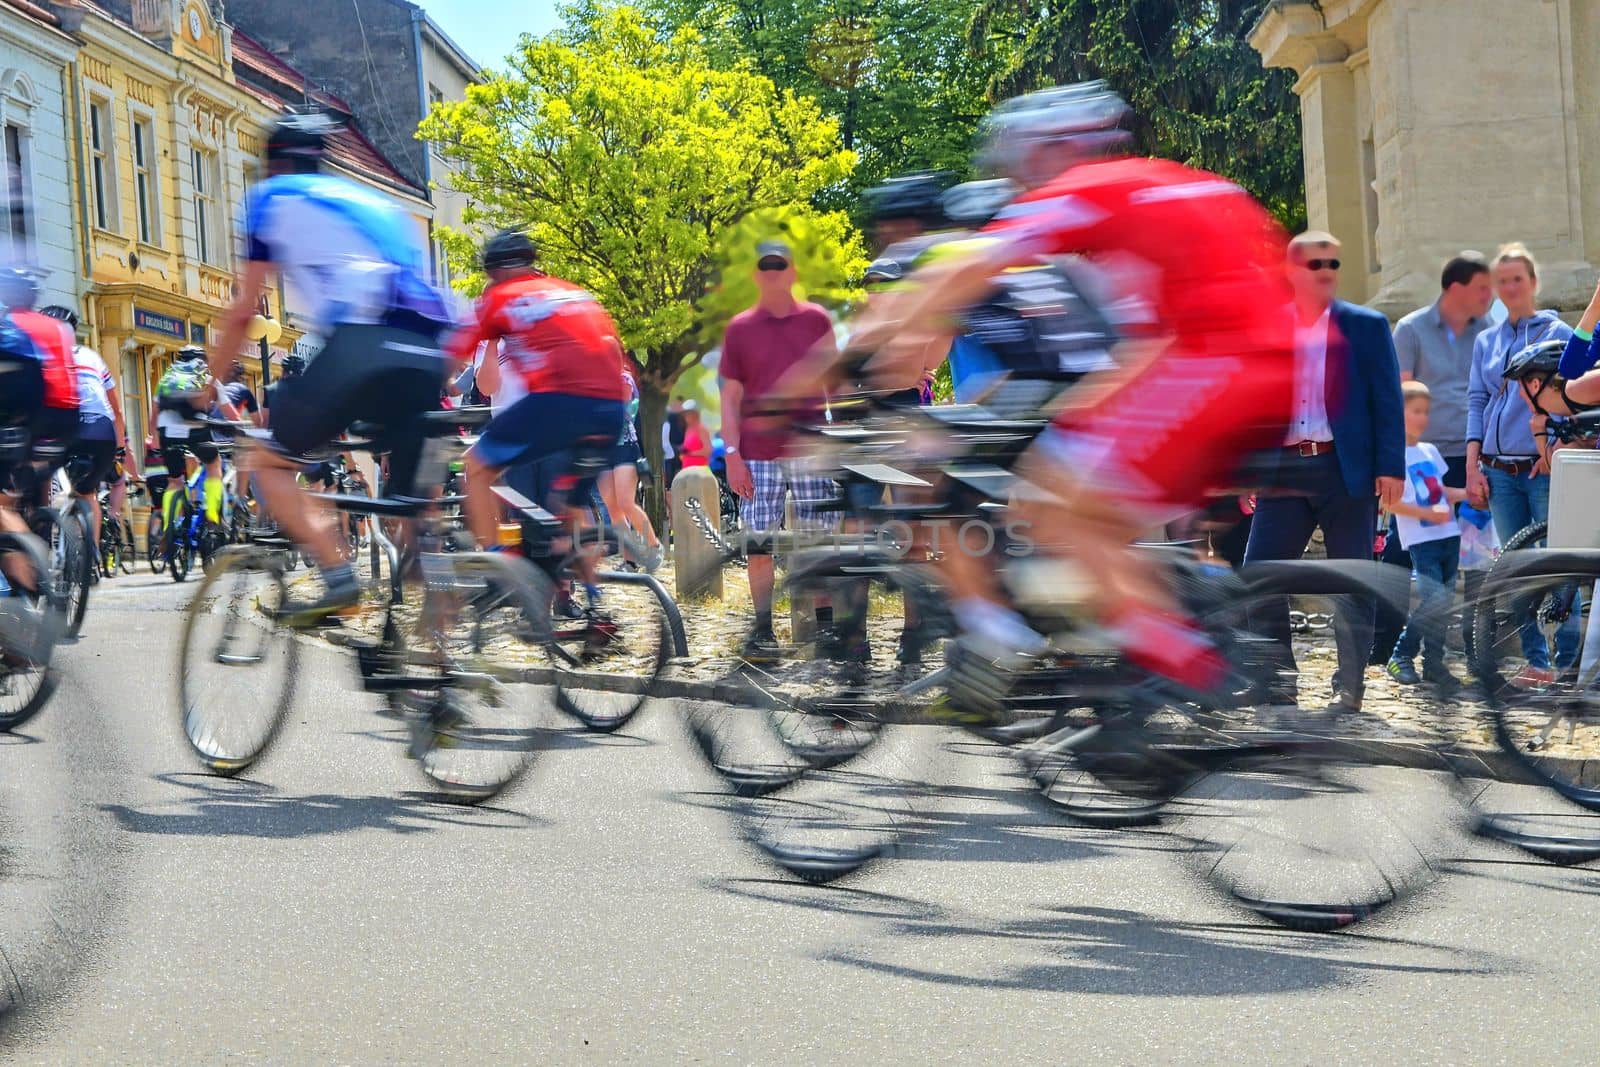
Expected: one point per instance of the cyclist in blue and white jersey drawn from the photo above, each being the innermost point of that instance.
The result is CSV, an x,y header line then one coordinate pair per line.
x,y
350,254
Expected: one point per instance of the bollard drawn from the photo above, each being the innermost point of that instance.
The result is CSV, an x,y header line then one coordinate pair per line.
x,y
697,563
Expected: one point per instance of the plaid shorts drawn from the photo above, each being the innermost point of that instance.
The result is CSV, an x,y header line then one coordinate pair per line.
x,y
764,510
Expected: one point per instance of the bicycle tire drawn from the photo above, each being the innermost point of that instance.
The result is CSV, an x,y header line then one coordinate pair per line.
x,y
154,530
1486,621
230,726
636,635
26,677
127,555
476,722
69,582
182,560
79,561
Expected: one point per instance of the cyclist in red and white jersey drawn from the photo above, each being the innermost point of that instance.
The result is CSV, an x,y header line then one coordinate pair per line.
x,y
562,344
1174,422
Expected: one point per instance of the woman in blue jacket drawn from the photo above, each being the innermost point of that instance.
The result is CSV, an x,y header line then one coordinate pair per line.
x,y
1507,466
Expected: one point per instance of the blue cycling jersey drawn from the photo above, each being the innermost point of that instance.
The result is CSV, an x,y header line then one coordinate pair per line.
x,y
349,254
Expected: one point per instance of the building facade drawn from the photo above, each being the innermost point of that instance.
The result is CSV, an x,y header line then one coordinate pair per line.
x,y
392,63
36,208
1433,126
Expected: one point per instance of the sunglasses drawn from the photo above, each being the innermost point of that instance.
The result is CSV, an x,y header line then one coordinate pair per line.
x,y
1321,264
773,264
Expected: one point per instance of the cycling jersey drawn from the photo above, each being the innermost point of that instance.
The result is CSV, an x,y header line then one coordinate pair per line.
x,y
349,254
1205,257
94,388
53,339
556,336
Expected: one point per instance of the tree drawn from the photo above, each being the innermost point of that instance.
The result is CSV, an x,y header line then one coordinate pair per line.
x,y
896,74
1199,89
628,155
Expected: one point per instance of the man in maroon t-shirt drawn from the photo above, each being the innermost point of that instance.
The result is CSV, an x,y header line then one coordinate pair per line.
x,y
760,346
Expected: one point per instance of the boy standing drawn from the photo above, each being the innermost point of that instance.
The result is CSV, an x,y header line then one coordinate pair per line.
x,y
1428,530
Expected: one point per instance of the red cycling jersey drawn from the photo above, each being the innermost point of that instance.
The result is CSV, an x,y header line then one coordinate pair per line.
x,y
1208,261
55,341
556,335
1197,248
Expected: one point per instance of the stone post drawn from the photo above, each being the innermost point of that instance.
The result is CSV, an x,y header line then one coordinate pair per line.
x,y
697,563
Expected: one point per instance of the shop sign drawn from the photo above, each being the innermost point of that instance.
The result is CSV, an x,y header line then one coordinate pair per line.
x,y
155,322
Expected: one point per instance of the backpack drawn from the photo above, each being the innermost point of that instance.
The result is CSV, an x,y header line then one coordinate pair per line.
x,y
185,377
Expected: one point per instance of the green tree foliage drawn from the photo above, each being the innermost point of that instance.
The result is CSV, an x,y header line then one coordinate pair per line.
x,y
1199,89
628,155
897,74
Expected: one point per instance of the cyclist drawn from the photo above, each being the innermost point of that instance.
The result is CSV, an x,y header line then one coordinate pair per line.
x,y
101,432
57,418
183,394
22,392
351,254
562,344
1170,425
619,486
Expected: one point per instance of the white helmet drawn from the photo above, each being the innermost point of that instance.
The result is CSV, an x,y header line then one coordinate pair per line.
x,y
1088,112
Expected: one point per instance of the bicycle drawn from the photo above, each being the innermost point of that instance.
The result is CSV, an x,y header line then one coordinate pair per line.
x,y
155,528
65,534
455,667
117,551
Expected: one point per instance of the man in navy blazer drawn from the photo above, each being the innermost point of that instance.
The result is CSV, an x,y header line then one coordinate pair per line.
x,y
1344,453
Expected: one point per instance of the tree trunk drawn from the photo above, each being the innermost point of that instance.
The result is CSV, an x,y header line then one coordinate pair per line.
x,y
652,413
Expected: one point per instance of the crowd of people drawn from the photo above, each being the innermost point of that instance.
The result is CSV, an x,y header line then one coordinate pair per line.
x,y
1156,314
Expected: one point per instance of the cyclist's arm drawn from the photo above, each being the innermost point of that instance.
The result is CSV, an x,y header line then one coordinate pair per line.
x,y
488,376
116,417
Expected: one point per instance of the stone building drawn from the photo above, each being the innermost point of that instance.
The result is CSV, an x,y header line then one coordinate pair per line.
x,y
391,62
36,209
1436,125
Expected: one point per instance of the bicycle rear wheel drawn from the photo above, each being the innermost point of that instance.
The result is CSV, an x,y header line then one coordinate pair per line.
x,y
237,666
153,531
182,542
478,638
127,553
28,631
64,539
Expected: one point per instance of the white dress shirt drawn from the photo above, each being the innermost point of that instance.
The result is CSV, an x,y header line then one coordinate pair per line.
x,y
1309,419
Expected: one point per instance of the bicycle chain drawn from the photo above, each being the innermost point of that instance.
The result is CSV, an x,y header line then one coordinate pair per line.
x,y
702,522
1303,622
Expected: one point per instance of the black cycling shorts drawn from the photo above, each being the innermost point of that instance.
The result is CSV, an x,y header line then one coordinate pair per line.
x,y
377,374
58,425
173,448
88,464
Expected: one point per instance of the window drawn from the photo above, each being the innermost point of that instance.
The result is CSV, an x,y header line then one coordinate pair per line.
x,y
102,165
435,98
248,178
204,176
132,389
146,191
15,191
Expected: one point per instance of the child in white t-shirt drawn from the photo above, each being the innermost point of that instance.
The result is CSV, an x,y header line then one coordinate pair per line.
x,y
1428,530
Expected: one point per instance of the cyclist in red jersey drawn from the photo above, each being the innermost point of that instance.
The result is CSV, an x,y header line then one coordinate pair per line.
x,y
1171,425
58,419
564,346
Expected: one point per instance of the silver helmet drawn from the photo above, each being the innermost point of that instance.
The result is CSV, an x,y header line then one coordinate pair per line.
x,y
1090,112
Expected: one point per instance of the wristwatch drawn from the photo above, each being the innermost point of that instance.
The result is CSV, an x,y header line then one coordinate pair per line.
x,y
731,450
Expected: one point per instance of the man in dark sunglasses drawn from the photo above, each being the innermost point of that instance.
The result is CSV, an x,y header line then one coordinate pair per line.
x,y
1344,453
760,347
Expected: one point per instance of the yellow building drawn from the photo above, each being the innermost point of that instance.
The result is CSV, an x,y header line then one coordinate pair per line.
x,y
166,142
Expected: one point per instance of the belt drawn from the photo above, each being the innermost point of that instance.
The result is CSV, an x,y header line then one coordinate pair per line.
x,y
1510,466
1311,448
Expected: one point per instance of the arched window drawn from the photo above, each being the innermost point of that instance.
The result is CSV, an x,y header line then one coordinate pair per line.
x,y
18,98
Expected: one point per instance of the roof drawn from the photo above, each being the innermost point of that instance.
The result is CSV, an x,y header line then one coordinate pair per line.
x,y
282,86
27,7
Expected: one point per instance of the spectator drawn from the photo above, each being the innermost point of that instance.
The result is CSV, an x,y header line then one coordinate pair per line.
x,y
1428,531
672,429
760,345
1508,467
1345,452
696,437
619,485
1434,345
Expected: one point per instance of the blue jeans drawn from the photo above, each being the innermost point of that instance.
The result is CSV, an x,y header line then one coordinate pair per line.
x,y
1435,564
1515,501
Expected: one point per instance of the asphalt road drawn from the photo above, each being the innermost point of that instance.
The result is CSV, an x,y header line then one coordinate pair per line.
x,y
327,910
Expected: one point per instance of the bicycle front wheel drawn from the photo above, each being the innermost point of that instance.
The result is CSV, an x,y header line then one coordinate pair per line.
x,y
237,666
28,627
127,555
152,542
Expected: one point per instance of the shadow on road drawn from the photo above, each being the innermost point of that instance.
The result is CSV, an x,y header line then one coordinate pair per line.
x,y
234,807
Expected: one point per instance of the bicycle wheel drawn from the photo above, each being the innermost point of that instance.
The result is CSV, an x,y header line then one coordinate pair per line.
x,y
478,639
153,532
127,554
28,630
182,542
237,667
64,539
607,661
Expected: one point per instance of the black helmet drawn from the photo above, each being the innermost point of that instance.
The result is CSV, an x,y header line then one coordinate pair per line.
x,y
294,365
1541,359
301,135
508,248
65,314
913,196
